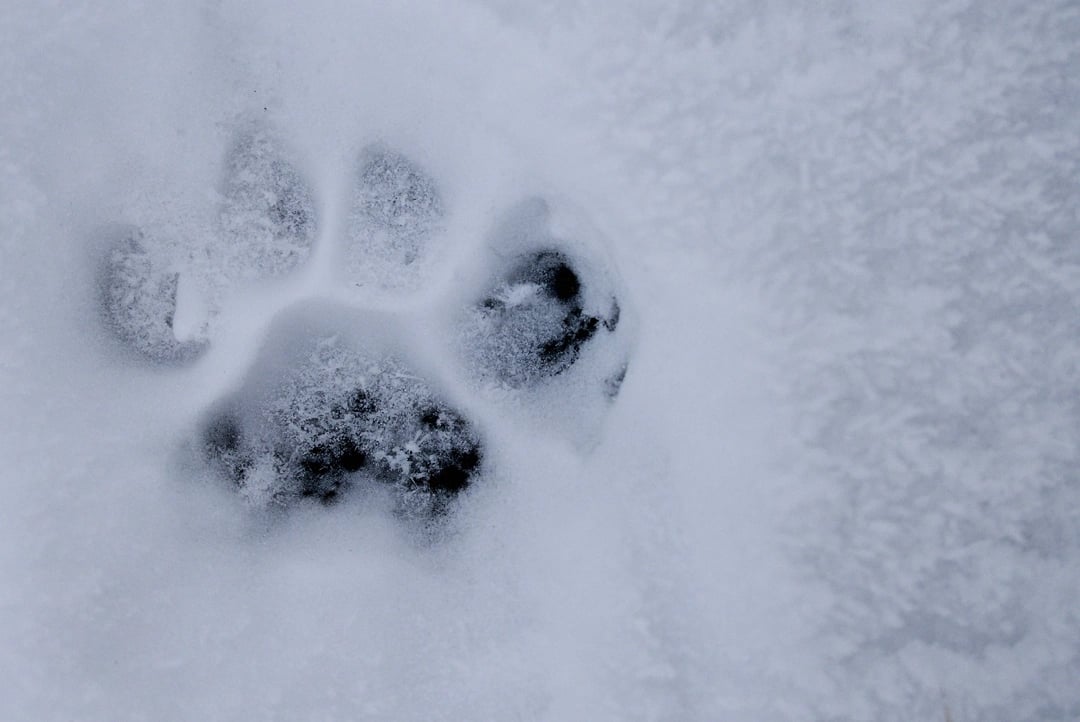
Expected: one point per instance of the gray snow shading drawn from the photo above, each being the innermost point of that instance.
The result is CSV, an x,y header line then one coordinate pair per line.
x,y
839,481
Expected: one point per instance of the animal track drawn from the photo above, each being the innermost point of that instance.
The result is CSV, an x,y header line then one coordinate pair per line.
x,y
332,401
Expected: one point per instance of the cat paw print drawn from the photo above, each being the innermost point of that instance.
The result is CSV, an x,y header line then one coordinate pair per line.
x,y
344,394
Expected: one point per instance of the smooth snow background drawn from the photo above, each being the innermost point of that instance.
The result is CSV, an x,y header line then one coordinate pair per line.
x,y
840,482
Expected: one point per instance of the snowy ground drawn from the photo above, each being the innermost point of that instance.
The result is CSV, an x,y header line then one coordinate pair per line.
x,y
840,482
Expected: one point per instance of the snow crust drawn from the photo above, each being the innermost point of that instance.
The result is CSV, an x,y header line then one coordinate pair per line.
x,y
840,479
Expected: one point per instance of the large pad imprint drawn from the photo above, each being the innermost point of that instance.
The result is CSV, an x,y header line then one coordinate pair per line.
x,y
319,413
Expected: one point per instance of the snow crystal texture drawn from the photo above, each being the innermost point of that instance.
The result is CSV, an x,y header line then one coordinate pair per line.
x,y
839,481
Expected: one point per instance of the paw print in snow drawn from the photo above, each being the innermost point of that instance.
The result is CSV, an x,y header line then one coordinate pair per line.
x,y
341,396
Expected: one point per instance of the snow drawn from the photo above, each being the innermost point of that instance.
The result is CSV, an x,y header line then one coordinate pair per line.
x,y
839,482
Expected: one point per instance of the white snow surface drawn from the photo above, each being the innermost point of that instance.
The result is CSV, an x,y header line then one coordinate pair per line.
x,y
840,482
